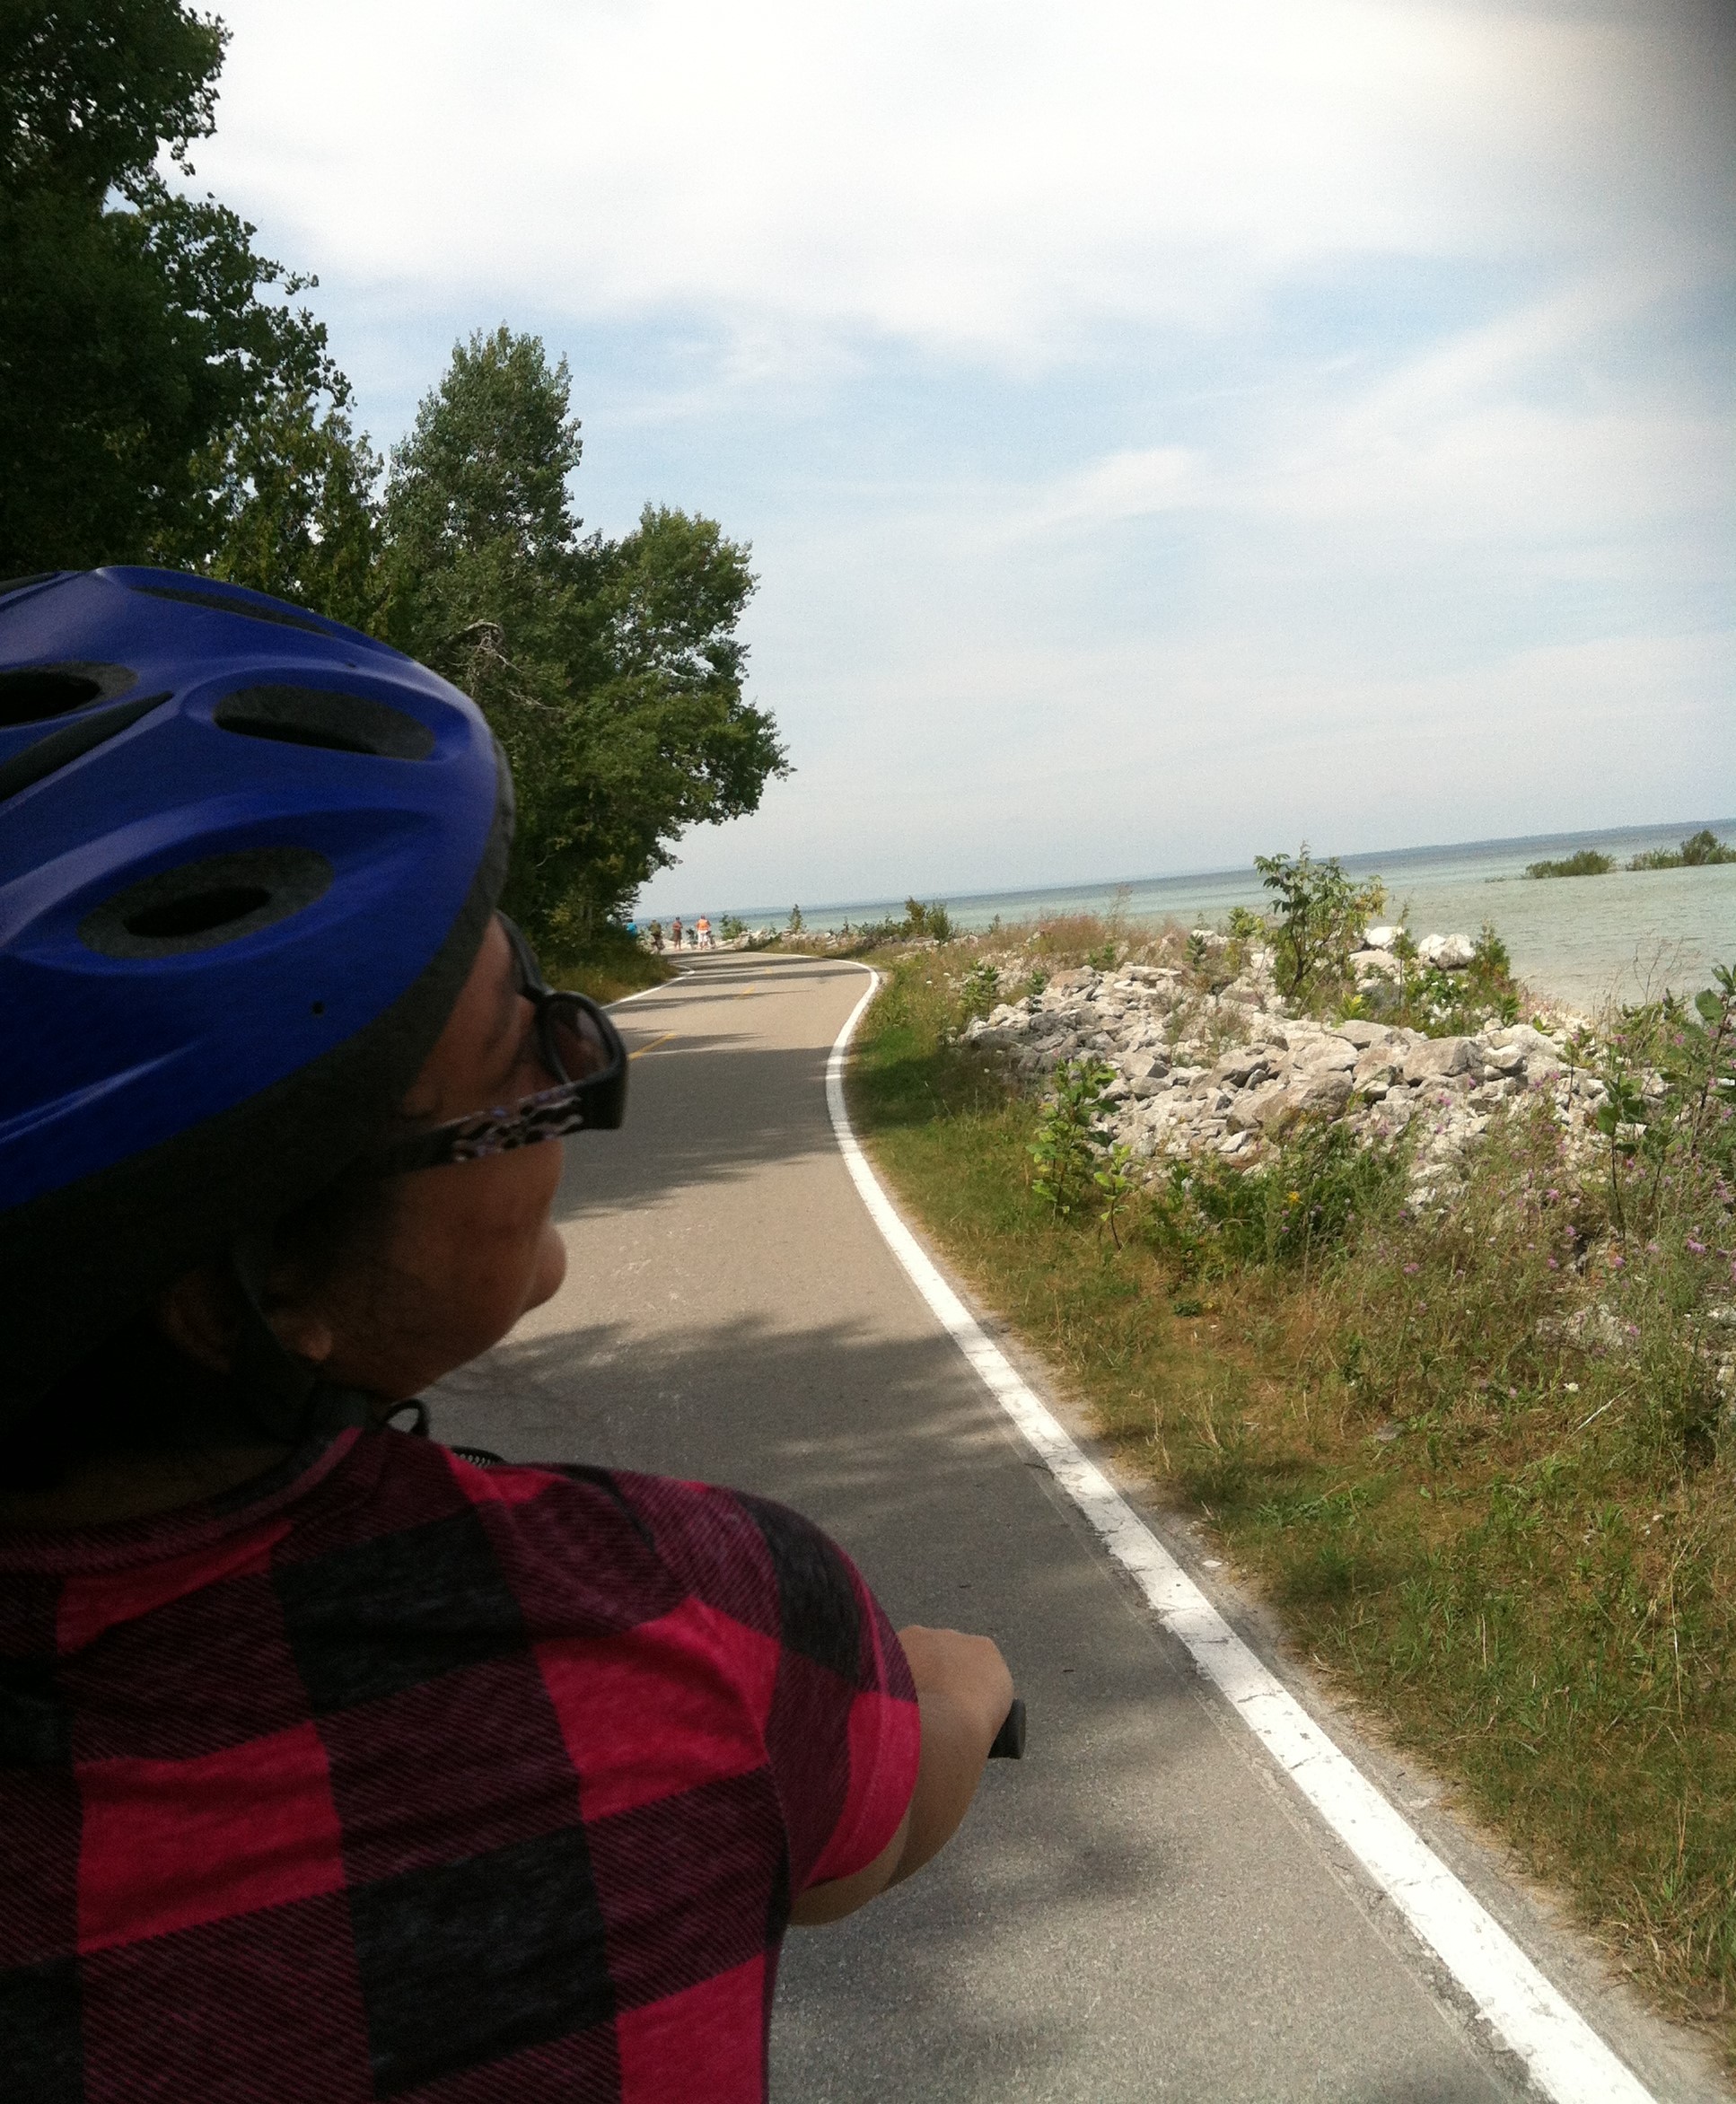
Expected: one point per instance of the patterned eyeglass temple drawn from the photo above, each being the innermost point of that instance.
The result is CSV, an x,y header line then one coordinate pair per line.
x,y
577,1041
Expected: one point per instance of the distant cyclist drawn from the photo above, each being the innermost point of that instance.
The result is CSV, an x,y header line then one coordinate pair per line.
x,y
333,1765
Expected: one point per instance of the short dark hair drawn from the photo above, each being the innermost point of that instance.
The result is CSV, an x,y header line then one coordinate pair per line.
x,y
136,1394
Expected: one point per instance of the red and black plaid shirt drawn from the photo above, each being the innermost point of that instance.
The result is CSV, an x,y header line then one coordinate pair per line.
x,y
396,1777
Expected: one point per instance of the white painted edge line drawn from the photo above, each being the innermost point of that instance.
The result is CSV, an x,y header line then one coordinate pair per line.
x,y
661,987
1564,2055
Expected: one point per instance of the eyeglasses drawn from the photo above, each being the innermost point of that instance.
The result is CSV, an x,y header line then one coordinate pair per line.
x,y
577,1042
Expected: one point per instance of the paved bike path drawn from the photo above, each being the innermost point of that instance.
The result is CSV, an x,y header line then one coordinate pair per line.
x,y
1142,1908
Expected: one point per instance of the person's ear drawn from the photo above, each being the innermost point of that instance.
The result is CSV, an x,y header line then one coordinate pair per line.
x,y
199,1317
304,1331
293,1314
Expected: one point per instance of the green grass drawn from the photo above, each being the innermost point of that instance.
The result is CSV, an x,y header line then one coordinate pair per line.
x,y
1517,1550
613,966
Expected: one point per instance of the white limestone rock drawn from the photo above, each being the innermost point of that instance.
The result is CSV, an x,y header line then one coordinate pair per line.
x,y
1431,1059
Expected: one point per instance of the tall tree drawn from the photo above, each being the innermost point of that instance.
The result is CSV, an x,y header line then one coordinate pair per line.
x,y
154,378
285,501
611,670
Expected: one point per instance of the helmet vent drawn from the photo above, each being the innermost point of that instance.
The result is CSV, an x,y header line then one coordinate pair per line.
x,y
216,600
33,694
322,717
206,904
198,913
55,750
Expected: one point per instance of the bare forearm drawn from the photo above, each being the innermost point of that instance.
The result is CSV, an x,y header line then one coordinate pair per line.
x,y
955,1742
963,1689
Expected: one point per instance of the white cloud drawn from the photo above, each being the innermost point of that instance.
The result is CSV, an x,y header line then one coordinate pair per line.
x,y
1132,485
1165,429
1000,177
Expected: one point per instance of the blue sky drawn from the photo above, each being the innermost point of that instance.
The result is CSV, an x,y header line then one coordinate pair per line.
x,y
1163,432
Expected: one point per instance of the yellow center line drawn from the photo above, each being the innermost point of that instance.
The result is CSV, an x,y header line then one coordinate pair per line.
x,y
649,1042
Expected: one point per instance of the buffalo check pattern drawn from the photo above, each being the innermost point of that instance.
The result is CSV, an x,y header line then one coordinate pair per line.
x,y
393,1777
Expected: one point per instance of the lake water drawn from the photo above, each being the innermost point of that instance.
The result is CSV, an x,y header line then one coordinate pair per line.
x,y
1581,939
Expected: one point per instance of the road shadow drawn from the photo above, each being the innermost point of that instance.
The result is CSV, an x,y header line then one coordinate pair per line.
x,y
884,1439
719,1117
709,1106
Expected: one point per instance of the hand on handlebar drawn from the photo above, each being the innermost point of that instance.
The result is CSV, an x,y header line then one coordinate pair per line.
x,y
968,1672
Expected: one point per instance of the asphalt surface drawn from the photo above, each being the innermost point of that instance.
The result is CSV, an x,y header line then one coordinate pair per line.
x,y
1139,1909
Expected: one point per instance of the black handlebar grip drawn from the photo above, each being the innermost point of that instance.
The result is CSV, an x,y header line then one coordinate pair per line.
x,y
1010,1739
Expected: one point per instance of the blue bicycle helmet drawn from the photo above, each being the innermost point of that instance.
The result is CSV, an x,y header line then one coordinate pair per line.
x,y
247,859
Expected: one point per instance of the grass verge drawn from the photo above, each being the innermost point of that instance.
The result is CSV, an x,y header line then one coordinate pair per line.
x,y
1475,1462
610,969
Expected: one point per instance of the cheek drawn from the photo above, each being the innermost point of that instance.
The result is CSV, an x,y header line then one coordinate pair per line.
x,y
470,1248
551,1267
486,1249
508,1217
549,1259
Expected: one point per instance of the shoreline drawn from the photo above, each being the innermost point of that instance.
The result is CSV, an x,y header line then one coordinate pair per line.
x,y
1579,941
1237,883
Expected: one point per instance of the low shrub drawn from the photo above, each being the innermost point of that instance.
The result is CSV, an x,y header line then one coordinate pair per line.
x,y
1209,1217
612,964
931,920
1587,863
982,988
1072,1136
1319,918
1697,852
1442,1003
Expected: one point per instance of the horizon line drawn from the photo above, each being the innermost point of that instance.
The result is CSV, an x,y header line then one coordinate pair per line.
x,y
849,906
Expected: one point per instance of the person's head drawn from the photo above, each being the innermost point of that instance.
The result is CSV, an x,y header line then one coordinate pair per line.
x,y
260,1012
385,1283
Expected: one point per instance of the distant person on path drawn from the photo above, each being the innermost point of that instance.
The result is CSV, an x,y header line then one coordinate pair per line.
x,y
702,933
341,1764
675,932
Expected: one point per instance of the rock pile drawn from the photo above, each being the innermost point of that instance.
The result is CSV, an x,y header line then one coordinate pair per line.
x,y
1377,959
1231,1070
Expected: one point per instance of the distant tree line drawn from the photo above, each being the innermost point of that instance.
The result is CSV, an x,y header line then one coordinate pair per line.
x,y
163,398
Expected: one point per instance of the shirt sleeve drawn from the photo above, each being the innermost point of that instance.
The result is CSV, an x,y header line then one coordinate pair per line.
x,y
885,1744
839,1720
844,1733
